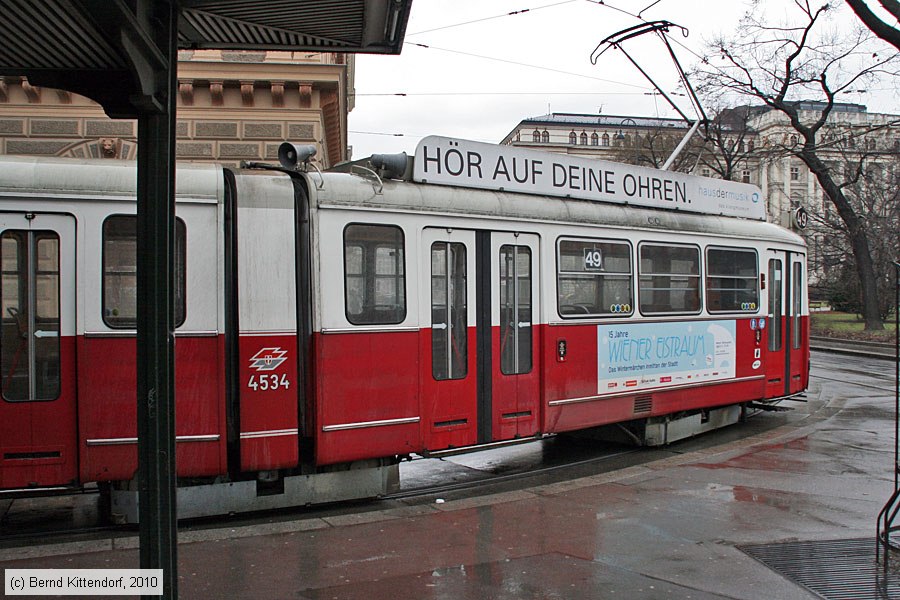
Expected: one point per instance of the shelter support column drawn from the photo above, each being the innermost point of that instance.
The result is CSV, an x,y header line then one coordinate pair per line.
x,y
155,310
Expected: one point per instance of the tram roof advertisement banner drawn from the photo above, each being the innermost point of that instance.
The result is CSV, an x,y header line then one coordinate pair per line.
x,y
464,163
642,356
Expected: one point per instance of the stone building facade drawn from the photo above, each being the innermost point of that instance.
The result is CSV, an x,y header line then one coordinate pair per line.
x,y
232,106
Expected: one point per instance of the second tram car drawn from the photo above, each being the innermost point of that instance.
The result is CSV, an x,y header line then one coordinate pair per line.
x,y
330,323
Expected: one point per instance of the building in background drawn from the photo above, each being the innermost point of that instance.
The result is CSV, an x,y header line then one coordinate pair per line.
x,y
233,106
754,147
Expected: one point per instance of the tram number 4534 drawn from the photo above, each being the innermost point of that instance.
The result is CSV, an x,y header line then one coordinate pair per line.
x,y
266,383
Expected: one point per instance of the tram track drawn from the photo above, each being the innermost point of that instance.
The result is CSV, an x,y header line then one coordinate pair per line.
x,y
485,484
477,481
462,486
853,383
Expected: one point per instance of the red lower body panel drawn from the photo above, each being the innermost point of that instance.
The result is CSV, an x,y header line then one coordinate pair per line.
x,y
367,395
107,408
572,383
269,391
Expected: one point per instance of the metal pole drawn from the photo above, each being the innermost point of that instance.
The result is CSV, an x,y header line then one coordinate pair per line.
x,y
155,318
896,374
687,137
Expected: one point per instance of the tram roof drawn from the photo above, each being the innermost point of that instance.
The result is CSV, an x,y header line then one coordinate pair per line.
x,y
357,190
100,179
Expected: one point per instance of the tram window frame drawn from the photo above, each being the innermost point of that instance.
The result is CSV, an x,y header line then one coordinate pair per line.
x,y
592,277
752,305
180,291
668,309
369,313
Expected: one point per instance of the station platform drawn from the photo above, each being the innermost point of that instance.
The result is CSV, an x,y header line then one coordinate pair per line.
x,y
703,524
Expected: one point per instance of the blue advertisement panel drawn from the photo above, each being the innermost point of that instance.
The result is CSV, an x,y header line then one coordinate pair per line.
x,y
643,356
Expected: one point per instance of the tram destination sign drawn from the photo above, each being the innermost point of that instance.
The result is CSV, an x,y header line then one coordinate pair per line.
x,y
449,161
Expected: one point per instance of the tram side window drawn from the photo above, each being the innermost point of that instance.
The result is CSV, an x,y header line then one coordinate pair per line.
x,y
120,272
776,308
449,344
594,278
516,316
731,280
374,275
669,279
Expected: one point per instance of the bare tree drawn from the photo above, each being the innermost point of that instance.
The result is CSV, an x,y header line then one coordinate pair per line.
x,y
730,142
875,193
652,147
781,64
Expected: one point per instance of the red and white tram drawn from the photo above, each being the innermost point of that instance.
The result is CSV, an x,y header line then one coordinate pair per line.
x,y
329,323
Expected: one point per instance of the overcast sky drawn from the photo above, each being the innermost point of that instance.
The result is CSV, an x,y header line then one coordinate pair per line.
x,y
484,70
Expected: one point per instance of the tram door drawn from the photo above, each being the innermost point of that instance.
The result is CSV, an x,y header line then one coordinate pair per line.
x,y
786,326
515,297
38,432
450,380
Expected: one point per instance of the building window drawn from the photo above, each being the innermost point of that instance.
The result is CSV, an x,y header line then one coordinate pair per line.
x,y
594,278
669,279
750,145
795,173
595,139
536,136
606,139
745,176
573,139
583,138
731,280
545,137
705,172
120,272
374,275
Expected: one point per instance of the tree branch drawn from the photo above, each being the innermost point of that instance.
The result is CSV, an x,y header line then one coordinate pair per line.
x,y
886,32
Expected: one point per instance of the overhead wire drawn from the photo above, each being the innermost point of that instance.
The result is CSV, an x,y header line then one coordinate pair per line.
x,y
601,3
507,14
405,94
521,64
